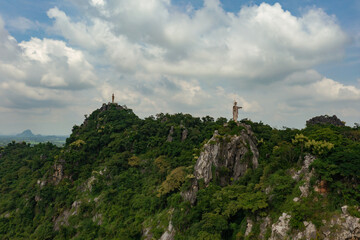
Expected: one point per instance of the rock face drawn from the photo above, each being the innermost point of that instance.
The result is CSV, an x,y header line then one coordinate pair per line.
x,y
147,234
224,158
169,234
308,233
281,227
340,227
63,218
265,222
58,173
170,135
184,134
249,226
306,175
334,120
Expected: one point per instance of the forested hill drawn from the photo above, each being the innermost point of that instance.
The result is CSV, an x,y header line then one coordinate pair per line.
x,y
182,177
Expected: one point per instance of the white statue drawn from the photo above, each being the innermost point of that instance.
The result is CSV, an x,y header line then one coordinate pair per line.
x,y
235,111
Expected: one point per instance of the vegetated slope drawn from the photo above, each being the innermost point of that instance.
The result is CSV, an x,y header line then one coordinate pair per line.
x,y
121,177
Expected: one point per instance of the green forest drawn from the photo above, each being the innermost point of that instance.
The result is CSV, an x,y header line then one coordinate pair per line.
x,y
122,177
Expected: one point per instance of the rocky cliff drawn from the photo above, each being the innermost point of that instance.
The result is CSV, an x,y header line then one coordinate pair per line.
x,y
340,226
224,158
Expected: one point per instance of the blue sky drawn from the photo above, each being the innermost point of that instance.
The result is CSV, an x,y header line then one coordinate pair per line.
x,y
283,61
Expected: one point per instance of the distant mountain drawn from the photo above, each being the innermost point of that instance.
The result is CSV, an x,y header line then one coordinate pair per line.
x,y
29,137
27,133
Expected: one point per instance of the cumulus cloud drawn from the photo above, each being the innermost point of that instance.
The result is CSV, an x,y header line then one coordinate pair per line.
x,y
332,90
163,59
97,3
258,42
39,73
8,45
59,65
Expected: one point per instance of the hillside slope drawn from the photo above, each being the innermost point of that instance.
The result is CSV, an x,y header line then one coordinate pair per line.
x,y
181,177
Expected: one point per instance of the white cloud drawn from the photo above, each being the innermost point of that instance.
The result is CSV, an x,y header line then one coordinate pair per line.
x,y
8,44
51,80
22,24
35,50
97,3
332,90
51,63
259,42
11,71
40,73
302,77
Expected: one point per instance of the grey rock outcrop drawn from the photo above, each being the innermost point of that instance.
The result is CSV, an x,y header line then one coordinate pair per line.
x,y
334,120
308,159
341,227
281,227
225,158
169,234
184,134
170,135
147,234
265,223
41,183
63,218
98,219
308,233
58,173
169,230
306,175
249,226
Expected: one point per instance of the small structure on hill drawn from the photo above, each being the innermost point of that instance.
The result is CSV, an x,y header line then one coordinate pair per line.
x,y
334,120
113,98
235,111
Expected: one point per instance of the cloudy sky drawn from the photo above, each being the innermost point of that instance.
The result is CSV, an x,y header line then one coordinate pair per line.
x,y
283,61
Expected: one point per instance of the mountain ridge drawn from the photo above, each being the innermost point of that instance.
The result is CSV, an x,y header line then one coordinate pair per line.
x,y
122,177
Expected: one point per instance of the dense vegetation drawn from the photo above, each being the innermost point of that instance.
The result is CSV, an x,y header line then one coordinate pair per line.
x,y
118,175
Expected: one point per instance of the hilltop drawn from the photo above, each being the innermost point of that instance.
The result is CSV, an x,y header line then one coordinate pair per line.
x,y
182,177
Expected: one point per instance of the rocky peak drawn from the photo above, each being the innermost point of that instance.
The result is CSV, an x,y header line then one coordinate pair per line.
x,y
108,106
224,158
334,120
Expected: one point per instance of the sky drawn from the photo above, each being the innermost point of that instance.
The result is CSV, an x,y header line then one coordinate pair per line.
x,y
282,61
